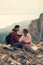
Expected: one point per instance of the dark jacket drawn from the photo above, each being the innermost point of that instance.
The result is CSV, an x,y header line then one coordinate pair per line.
x,y
14,37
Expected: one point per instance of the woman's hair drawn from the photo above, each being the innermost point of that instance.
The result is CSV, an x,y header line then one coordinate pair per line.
x,y
25,30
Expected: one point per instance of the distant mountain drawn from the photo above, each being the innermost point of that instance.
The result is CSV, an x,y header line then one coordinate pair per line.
x,y
7,30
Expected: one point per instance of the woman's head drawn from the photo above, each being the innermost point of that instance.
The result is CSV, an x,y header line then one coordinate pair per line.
x,y
25,31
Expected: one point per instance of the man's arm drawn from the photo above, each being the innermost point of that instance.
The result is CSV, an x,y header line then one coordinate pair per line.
x,y
19,35
12,39
16,38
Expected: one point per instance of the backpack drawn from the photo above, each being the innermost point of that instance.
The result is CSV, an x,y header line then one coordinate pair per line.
x,y
7,38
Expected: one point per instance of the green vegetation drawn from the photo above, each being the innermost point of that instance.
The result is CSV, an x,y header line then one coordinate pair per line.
x,y
5,31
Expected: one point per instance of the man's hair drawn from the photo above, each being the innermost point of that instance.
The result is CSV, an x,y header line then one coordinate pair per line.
x,y
17,26
25,30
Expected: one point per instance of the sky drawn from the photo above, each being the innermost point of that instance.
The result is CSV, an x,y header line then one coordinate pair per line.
x,y
12,11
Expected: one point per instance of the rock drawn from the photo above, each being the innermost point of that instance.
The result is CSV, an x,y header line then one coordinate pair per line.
x,y
20,57
34,47
36,29
39,56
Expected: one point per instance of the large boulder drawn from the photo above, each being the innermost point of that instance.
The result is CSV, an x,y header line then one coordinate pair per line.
x,y
36,29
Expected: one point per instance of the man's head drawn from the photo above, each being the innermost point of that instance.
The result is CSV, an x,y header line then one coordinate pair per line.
x,y
17,27
25,31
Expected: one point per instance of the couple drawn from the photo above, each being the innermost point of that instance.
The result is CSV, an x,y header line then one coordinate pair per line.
x,y
18,40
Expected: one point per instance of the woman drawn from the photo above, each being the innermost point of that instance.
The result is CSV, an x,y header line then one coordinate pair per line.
x,y
26,38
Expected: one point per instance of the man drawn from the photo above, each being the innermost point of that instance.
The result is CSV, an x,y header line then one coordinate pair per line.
x,y
15,36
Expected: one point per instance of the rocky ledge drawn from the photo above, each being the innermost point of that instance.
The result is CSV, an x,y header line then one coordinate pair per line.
x,y
8,56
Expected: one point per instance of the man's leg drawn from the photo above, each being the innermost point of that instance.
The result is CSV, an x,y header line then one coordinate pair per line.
x,y
18,45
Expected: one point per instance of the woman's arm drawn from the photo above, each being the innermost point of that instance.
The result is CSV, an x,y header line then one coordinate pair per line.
x,y
21,39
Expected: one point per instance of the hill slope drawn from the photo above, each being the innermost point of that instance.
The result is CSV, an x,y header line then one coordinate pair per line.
x,y
9,56
7,30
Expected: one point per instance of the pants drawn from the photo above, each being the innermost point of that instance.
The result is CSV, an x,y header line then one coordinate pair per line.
x,y
18,45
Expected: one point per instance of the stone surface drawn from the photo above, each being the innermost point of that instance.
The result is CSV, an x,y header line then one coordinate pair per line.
x,y
8,56
36,29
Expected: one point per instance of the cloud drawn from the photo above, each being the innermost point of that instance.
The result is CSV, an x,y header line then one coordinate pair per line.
x,y
17,10
21,6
